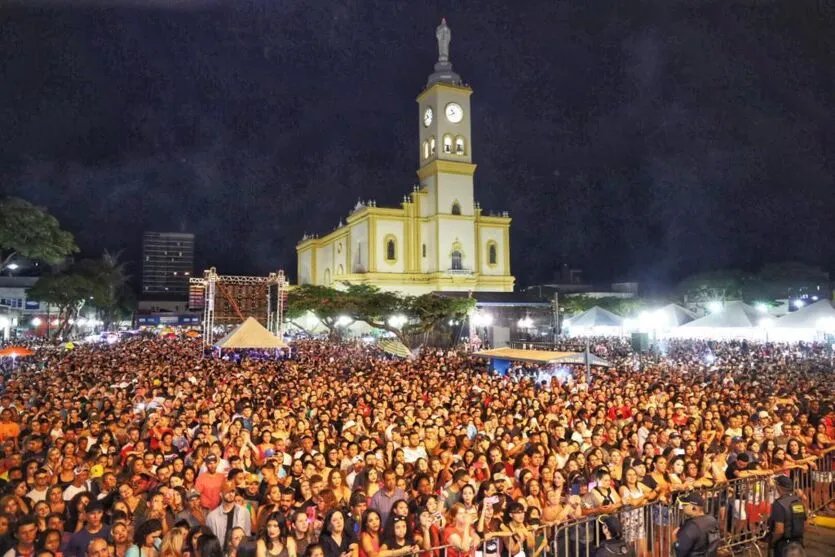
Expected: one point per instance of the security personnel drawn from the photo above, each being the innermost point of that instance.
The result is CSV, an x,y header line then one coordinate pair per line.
x,y
613,545
788,518
699,536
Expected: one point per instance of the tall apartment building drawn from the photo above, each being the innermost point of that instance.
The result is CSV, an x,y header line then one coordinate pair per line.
x,y
167,264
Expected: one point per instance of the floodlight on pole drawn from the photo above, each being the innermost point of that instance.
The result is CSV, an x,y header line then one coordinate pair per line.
x,y
799,304
714,307
36,322
13,266
762,308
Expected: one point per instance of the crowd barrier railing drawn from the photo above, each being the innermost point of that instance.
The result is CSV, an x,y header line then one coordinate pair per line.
x,y
741,507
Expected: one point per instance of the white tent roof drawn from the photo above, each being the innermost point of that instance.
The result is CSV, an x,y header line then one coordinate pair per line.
x,y
250,334
808,317
596,317
673,315
733,315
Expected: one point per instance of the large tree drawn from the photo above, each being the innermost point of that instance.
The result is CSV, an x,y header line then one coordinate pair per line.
x,y
409,318
325,304
29,231
710,286
109,279
68,292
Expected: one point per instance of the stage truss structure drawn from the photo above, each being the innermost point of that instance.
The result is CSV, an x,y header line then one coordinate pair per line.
x,y
230,299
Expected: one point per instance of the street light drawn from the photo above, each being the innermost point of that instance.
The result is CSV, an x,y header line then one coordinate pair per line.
x,y
714,307
799,304
36,322
13,266
525,323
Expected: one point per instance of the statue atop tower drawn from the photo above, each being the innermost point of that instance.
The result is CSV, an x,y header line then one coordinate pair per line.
x,y
443,68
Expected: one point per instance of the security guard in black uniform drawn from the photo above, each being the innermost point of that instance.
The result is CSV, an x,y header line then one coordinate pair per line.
x,y
787,522
613,545
699,536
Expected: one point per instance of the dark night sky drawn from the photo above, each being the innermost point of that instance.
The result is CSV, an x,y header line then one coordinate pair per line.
x,y
643,142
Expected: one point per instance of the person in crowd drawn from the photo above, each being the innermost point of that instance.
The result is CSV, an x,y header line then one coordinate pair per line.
x,y
228,515
699,535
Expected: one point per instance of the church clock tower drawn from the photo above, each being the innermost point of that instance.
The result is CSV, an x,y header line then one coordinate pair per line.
x,y
445,139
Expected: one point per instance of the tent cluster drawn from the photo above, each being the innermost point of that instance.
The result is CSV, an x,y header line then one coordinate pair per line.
x,y
735,320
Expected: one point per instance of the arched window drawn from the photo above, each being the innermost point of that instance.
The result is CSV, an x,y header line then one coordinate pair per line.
x,y
457,264
459,145
391,250
426,149
431,146
447,144
340,270
492,253
327,277
456,208
424,250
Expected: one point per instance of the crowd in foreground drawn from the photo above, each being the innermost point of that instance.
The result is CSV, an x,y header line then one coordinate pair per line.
x,y
148,448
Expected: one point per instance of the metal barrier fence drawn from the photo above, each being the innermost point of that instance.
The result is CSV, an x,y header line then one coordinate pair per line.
x,y
741,507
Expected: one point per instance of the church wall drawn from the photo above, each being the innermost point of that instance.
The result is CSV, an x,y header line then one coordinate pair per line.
x,y
455,187
428,201
450,230
386,229
339,264
324,264
359,247
488,235
427,237
305,272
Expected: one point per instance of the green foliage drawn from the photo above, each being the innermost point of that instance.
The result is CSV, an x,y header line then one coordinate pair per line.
x,y
571,305
68,292
704,288
774,281
29,231
108,277
374,306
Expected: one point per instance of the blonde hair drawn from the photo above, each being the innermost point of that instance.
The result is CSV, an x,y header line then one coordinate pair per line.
x,y
172,543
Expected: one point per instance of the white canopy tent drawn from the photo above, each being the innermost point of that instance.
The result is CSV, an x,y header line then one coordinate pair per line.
x,y
595,321
673,315
810,323
250,335
736,320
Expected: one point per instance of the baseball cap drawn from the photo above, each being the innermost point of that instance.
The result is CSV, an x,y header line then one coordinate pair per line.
x,y
738,439
211,458
193,495
691,499
783,481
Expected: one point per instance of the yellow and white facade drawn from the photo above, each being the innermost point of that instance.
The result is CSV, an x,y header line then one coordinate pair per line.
x,y
438,239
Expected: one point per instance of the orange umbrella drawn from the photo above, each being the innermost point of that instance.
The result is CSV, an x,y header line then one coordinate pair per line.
x,y
15,352
192,334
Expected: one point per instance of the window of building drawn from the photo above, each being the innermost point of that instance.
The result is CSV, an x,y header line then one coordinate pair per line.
x,y
424,250
327,277
391,250
431,146
492,253
340,270
447,144
456,208
425,149
459,145
457,263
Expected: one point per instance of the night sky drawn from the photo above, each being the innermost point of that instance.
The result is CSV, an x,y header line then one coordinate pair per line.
x,y
640,140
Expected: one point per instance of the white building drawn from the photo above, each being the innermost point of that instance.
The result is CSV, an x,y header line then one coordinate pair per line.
x,y
438,239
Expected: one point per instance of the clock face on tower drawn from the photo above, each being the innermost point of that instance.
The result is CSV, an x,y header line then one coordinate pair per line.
x,y
427,117
454,112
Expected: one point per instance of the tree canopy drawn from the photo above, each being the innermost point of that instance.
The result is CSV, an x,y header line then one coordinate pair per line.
x,y
29,231
407,317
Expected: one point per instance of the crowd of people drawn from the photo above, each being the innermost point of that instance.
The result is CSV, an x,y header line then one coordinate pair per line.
x,y
150,448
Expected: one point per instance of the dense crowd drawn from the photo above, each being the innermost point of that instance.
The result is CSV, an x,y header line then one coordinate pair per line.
x,y
149,448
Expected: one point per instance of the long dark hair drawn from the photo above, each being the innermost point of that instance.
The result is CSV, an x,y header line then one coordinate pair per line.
x,y
389,539
209,546
282,530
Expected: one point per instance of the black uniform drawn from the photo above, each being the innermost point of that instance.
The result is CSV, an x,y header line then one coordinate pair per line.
x,y
698,537
614,548
791,512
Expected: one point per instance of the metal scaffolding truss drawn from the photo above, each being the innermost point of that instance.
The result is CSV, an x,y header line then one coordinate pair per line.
x,y
230,299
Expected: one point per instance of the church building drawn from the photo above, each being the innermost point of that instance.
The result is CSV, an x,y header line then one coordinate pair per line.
x,y
438,239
